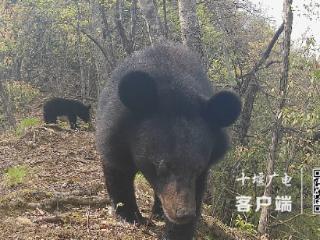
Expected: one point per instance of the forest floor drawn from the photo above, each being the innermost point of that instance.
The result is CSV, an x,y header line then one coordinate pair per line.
x,y
55,190
62,194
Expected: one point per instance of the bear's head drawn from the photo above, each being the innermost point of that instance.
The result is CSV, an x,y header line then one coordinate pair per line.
x,y
177,138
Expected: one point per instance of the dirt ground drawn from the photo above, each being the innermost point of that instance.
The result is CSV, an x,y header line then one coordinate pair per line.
x,y
62,195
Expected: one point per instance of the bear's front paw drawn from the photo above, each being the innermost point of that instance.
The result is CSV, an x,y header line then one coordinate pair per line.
x,y
157,213
165,237
133,217
174,234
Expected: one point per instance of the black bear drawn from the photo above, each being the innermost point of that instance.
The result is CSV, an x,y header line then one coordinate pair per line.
x,y
159,115
65,107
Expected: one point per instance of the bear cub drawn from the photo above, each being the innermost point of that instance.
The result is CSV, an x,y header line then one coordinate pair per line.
x,y
160,115
66,107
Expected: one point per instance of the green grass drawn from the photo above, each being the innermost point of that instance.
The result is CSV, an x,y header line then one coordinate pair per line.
x,y
25,124
243,225
15,175
140,178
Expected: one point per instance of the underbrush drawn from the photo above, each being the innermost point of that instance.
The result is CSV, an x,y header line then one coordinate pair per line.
x,y
26,123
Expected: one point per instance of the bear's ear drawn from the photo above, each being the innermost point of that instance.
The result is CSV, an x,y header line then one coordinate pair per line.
x,y
138,92
223,109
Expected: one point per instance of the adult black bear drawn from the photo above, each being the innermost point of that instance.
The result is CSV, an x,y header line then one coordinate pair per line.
x,y
65,107
159,115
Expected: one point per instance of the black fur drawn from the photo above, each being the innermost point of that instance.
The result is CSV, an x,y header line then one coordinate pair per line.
x,y
65,107
159,115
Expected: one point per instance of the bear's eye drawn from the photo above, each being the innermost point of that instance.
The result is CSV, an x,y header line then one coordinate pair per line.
x,y
162,168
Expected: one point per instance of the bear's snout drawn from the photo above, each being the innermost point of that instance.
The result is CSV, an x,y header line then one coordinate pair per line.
x,y
178,202
184,215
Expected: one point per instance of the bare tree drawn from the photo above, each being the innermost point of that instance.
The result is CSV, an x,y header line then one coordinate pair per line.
x,y
165,20
249,89
7,105
127,40
276,131
79,54
190,29
153,21
103,49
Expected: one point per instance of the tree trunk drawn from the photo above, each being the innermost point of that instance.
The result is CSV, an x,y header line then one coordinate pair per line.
x,y
127,43
262,60
154,25
276,131
7,105
104,59
246,113
249,89
106,35
190,29
83,83
165,20
17,68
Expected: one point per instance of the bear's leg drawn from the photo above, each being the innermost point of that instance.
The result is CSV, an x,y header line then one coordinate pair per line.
x,y
179,231
186,231
121,191
72,121
157,211
50,118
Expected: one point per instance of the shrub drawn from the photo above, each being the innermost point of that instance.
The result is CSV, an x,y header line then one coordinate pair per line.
x,y
21,93
15,175
25,124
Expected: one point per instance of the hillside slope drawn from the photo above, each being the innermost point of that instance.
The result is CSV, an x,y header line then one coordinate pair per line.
x,y
61,193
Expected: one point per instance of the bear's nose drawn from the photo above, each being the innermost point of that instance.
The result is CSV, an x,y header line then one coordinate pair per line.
x,y
184,215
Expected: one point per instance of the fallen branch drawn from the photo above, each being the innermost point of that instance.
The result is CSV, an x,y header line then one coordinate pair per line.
x,y
49,219
60,202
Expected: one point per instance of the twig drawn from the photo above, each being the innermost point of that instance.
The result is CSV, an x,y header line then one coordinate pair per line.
x,y
88,219
49,219
286,221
